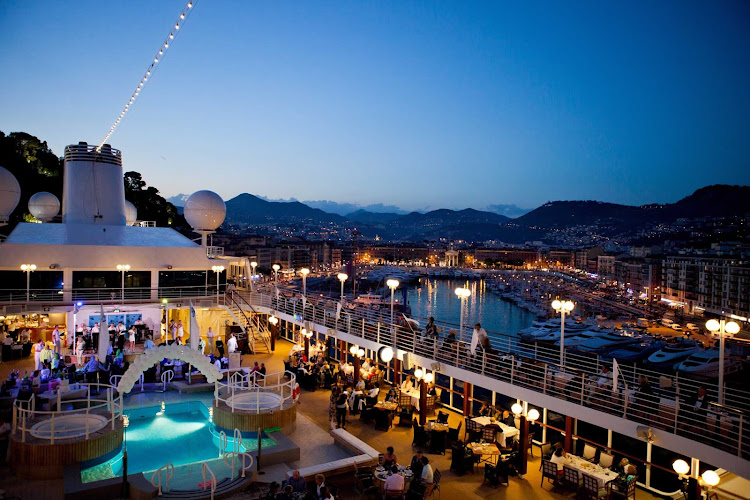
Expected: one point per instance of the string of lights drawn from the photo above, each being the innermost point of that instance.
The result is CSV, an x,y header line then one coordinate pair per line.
x,y
168,41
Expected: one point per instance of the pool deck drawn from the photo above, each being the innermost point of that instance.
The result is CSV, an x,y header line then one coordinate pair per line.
x,y
312,435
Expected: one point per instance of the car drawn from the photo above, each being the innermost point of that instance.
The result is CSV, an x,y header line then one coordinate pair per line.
x,y
692,327
676,327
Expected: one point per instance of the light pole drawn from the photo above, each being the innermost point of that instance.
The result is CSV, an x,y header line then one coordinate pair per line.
x,y
392,284
524,419
304,272
276,268
722,327
563,307
253,264
166,319
28,269
122,268
218,270
463,294
342,278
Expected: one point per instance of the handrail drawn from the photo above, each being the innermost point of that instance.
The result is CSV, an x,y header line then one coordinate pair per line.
x,y
273,383
205,468
168,472
58,296
109,404
166,378
243,458
535,366
223,441
263,332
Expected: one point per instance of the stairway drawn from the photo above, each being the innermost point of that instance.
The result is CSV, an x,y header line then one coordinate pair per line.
x,y
224,488
258,336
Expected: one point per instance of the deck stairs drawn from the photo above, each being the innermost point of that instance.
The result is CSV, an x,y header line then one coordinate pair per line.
x,y
224,488
255,330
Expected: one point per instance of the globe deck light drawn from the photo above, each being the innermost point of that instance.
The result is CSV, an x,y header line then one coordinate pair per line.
x,y
516,409
392,283
360,353
342,276
386,354
304,271
681,467
418,373
710,477
353,350
429,377
533,415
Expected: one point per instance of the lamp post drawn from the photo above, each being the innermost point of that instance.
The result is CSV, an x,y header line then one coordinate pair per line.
x,y
463,294
563,307
524,419
342,278
28,269
166,319
304,272
392,284
273,320
218,270
722,327
691,484
276,268
253,264
122,268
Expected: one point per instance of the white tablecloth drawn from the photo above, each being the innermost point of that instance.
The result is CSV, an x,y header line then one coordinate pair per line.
x,y
603,476
508,431
414,394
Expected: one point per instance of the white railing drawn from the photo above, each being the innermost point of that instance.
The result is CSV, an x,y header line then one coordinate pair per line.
x,y
166,378
168,470
206,471
246,461
115,380
536,367
255,383
110,406
106,295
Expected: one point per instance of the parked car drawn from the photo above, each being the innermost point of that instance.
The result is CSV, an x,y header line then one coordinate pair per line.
x,y
692,327
676,327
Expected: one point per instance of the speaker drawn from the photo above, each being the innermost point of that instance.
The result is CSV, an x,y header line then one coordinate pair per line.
x,y
435,367
406,361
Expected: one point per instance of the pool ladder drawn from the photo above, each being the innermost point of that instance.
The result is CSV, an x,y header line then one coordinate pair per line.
x,y
224,442
168,472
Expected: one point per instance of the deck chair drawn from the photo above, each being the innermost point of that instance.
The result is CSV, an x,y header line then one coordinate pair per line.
x,y
627,494
591,489
489,433
606,460
442,417
431,489
589,452
490,476
571,478
549,471
453,433
421,438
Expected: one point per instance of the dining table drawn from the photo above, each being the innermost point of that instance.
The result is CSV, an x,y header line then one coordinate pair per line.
x,y
414,394
485,449
380,474
434,425
385,405
602,475
508,431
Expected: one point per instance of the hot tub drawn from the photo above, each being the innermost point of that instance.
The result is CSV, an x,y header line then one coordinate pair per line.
x,y
254,400
69,426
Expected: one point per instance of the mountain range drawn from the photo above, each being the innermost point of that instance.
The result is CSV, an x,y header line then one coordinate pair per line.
x,y
607,220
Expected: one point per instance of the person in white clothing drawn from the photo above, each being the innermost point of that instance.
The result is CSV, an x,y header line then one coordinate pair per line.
x,y
232,344
202,346
56,340
210,335
38,355
394,482
407,384
560,458
479,338
181,332
79,350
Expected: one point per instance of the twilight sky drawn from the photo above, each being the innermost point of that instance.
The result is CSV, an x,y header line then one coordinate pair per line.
x,y
421,105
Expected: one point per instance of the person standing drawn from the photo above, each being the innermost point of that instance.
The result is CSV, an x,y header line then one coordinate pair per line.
x,y
181,332
210,335
341,410
232,343
38,355
95,334
56,340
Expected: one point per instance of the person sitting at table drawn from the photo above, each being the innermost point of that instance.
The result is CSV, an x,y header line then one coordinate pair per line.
x,y
389,458
373,393
394,482
605,377
560,458
392,396
92,366
366,365
325,494
485,410
149,344
509,419
426,478
297,482
620,484
320,484
431,389
407,384
417,465
620,467
286,494
220,347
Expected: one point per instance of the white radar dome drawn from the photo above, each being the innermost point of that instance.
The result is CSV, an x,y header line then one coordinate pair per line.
x,y
131,213
204,211
44,206
10,194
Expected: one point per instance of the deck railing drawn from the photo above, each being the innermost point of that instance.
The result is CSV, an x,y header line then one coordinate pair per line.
x,y
256,383
105,295
537,367
26,414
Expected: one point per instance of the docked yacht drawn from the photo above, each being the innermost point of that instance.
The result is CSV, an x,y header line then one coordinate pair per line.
x,y
705,364
672,353
634,352
609,341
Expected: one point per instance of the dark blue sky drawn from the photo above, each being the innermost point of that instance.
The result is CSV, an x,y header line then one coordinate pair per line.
x,y
421,105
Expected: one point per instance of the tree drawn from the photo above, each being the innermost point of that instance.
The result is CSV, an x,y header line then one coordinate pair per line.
x,y
150,204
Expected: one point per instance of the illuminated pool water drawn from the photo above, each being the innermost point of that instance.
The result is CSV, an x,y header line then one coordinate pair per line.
x,y
180,433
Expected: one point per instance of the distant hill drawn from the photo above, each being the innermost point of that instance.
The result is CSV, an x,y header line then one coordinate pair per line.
x,y
511,211
372,217
249,209
178,200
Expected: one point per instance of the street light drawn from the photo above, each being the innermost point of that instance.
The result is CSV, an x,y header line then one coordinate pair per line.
x,y
563,307
276,268
463,294
28,269
722,327
218,270
392,284
691,485
342,278
304,272
122,268
524,419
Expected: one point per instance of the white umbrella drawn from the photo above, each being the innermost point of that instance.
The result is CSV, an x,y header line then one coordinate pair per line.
x,y
195,333
103,337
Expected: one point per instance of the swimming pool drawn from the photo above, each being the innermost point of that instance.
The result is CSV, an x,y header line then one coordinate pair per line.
x,y
255,401
180,433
